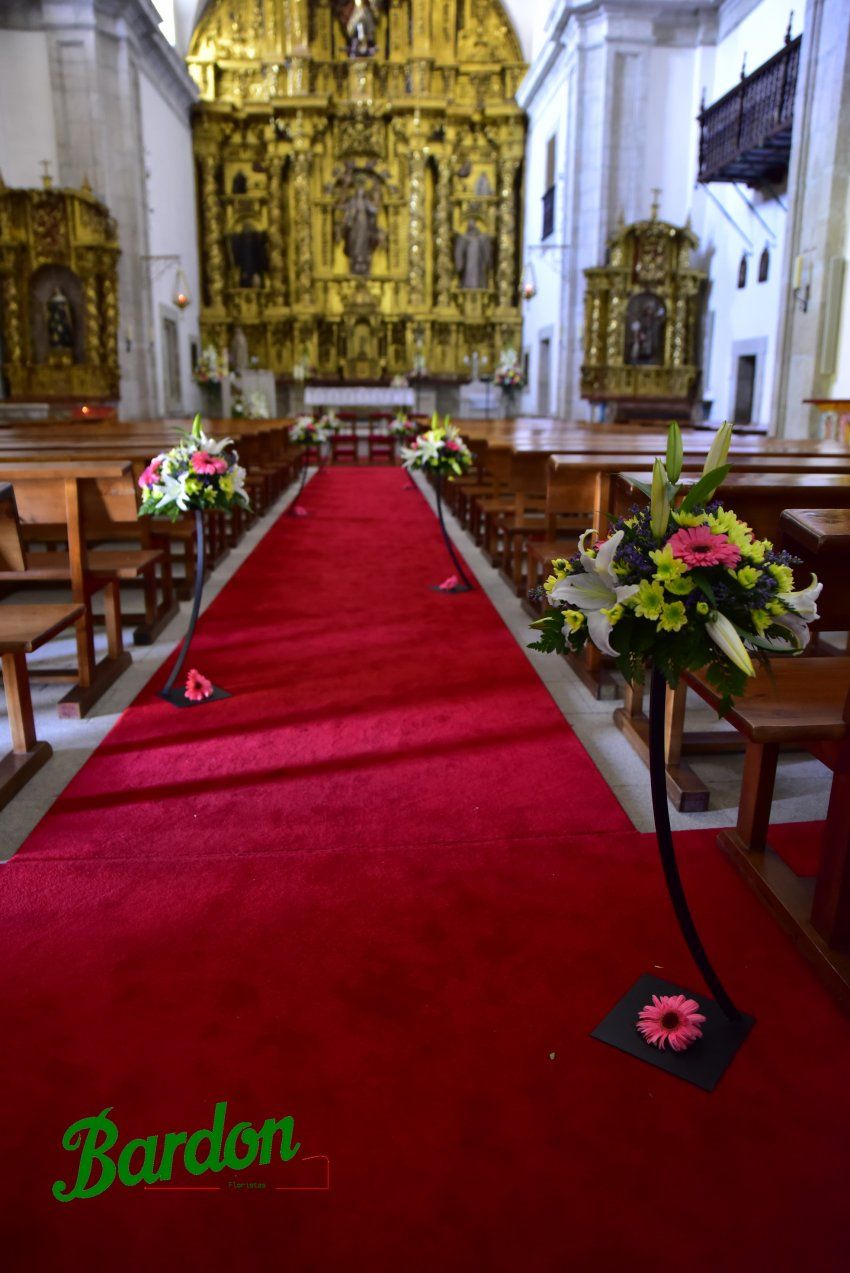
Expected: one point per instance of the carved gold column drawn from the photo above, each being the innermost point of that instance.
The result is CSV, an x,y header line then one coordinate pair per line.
x,y
444,263
212,238
109,329
416,239
92,303
302,212
11,317
506,276
275,230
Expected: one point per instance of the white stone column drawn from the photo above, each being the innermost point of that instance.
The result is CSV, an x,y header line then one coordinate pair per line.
x,y
819,186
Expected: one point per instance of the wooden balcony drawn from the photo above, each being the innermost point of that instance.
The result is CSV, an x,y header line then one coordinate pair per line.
x,y
746,135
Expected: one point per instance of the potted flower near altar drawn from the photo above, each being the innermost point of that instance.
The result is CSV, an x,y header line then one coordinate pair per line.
x,y
679,585
442,453
312,435
208,374
403,428
509,378
199,475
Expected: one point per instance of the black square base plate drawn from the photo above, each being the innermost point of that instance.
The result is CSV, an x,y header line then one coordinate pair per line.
x,y
704,1062
177,697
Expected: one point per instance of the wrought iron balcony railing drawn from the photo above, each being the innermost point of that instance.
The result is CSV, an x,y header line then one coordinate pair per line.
x,y
746,135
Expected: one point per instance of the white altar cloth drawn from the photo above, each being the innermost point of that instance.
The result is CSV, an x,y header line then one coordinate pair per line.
x,y
359,396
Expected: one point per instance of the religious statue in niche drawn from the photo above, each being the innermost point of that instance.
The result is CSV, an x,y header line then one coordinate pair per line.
x,y
360,22
248,250
239,351
473,257
60,326
360,234
645,320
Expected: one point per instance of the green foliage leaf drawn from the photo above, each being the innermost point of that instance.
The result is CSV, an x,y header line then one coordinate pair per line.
x,y
702,491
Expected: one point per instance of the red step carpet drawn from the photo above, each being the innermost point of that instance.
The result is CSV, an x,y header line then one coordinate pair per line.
x,y
383,889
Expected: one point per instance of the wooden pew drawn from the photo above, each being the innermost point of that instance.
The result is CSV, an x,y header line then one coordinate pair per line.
x,y
820,537
49,493
805,705
24,629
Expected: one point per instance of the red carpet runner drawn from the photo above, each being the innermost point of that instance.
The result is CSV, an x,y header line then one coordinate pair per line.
x,y
384,890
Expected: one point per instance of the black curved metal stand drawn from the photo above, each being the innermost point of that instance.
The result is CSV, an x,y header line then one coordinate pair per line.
x,y
725,1027
178,696
465,585
664,836
290,512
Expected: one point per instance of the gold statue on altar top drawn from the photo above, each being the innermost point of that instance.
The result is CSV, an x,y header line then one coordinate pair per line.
x,y
360,176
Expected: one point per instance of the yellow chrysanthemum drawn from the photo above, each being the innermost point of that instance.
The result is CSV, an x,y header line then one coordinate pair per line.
x,y
761,620
784,577
614,614
747,576
673,617
703,607
667,566
573,619
648,600
690,519
679,587
755,550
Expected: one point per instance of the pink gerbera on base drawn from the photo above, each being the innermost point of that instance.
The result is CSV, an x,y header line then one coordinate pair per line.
x,y
198,687
672,1019
699,546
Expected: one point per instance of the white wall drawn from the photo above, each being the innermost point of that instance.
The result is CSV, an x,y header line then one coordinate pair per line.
x,y
625,86
27,129
172,231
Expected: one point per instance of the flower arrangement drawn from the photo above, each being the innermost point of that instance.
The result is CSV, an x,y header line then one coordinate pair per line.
x,y
301,369
198,474
508,374
331,423
402,427
208,370
441,450
683,583
252,407
309,432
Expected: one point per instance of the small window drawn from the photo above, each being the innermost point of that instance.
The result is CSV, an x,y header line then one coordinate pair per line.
x,y
764,266
549,188
742,271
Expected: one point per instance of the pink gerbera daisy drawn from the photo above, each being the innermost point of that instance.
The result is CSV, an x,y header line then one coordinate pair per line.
x,y
150,476
209,465
700,546
671,1019
198,687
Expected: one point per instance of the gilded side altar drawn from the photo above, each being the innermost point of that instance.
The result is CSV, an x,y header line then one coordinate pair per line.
x,y
359,180
58,294
642,313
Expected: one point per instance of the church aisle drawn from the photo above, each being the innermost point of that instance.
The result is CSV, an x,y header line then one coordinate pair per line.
x,y
384,890
363,709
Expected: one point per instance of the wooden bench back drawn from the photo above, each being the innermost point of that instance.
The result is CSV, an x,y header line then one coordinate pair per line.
x,y
11,543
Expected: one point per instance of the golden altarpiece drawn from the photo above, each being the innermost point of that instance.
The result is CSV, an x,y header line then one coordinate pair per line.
x,y
642,322
59,290
359,177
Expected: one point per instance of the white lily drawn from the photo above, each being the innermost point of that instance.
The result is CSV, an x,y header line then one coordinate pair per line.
x,y
724,634
803,602
596,589
798,635
719,449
